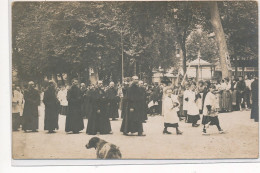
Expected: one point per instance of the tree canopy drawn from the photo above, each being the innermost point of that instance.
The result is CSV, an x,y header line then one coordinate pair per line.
x,y
53,38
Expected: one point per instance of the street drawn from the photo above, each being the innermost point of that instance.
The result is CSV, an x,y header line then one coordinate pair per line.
x,y
239,141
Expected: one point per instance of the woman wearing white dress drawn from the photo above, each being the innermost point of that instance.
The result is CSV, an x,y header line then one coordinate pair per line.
x,y
171,118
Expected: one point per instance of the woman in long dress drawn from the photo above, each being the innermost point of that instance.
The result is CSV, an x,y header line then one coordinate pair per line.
x,y
226,96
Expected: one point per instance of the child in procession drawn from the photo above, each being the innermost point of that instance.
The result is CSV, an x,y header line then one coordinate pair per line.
x,y
171,118
210,113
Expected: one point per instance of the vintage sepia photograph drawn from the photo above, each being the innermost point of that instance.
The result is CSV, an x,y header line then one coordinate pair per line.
x,y
134,80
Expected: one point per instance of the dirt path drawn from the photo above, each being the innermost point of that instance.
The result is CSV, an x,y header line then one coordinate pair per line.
x,y
240,141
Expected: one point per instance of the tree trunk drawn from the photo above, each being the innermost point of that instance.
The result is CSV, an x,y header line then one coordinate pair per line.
x,y
62,79
184,59
220,39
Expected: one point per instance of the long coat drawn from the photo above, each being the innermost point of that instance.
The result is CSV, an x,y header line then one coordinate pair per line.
x,y
88,102
52,105
132,121
144,104
170,112
255,106
30,112
98,121
74,119
112,103
193,108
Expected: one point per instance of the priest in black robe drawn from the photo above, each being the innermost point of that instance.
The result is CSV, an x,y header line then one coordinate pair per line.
x,y
83,89
255,105
144,104
52,105
30,112
133,119
112,102
74,119
98,121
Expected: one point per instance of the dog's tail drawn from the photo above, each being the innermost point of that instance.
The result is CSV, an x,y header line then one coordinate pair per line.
x,y
115,152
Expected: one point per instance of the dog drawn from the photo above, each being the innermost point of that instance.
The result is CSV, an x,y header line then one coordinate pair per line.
x,y
105,150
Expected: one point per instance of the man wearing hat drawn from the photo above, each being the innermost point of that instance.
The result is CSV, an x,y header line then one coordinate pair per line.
x,y
133,119
30,113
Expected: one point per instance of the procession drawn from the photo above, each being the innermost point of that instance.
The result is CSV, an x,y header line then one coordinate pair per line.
x,y
135,80
134,101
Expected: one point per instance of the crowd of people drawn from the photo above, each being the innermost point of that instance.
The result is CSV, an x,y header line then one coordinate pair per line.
x,y
133,101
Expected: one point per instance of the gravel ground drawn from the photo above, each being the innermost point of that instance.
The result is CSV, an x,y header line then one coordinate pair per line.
x,y
239,141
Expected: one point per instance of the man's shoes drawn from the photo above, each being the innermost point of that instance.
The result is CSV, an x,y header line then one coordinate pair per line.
x,y
166,132
221,131
125,134
180,119
51,131
141,134
75,132
179,132
34,130
195,125
204,132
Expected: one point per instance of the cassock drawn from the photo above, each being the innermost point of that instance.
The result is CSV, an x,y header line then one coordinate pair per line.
x,y
52,105
30,112
132,121
98,121
124,101
144,104
88,102
255,108
74,119
112,103
84,100
210,113
192,108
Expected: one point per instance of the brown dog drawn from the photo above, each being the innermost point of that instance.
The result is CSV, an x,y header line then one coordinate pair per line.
x,y
104,149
